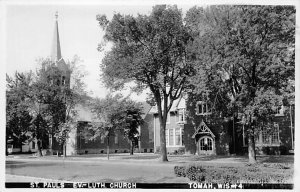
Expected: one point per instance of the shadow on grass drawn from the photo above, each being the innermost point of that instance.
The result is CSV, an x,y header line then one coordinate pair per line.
x,y
14,162
20,164
277,159
142,157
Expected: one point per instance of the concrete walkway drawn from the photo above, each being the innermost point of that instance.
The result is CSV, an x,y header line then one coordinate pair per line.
x,y
19,178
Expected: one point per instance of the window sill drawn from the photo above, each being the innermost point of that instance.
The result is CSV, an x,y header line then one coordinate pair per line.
x,y
267,145
203,114
279,115
175,146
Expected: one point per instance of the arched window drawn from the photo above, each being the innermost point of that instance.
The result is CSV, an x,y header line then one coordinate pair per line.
x,y
63,82
206,144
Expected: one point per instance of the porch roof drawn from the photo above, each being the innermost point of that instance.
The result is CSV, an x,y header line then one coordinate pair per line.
x,y
202,129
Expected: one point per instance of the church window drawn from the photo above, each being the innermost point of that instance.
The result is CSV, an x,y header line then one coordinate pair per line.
x,y
171,141
177,137
203,108
268,136
63,82
33,145
174,137
116,139
279,111
181,116
206,144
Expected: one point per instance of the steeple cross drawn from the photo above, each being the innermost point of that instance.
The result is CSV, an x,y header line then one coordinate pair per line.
x,y
56,15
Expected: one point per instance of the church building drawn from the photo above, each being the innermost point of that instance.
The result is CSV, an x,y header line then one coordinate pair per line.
x,y
76,143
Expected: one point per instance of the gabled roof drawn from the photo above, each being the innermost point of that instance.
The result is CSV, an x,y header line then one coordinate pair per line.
x,y
177,104
84,113
203,129
146,109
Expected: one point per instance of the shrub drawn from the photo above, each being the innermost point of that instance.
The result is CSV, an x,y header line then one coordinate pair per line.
x,y
283,150
195,173
179,171
253,169
250,173
277,165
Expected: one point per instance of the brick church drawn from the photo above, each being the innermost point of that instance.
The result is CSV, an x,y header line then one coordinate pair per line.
x,y
191,128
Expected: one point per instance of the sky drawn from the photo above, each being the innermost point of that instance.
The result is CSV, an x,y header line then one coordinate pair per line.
x,y
30,29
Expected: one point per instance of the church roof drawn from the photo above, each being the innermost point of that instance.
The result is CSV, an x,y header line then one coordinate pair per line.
x,y
56,56
177,104
56,50
84,113
146,109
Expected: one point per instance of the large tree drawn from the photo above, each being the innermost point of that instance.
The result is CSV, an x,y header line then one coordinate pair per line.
x,y
115,114
246,53
151,51
48,99
17,116
133,118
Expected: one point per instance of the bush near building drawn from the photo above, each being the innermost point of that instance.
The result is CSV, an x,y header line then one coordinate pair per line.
x,y
248,173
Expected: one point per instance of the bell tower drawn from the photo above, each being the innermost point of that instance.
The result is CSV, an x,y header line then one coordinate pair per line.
x,y
63,78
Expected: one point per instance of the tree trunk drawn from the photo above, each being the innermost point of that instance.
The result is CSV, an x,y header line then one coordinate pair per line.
x,y
163,146
107,148
131,147
39,150
65,149
251,148
162,114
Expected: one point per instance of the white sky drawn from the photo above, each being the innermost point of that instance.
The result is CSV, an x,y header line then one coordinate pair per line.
x,y
30,28
29,31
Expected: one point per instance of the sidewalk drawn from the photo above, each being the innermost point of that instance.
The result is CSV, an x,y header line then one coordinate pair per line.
x,y
152,158
94,160
19,178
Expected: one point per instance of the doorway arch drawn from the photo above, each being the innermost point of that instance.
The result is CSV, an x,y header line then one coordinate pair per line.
x,y
205,140
206,145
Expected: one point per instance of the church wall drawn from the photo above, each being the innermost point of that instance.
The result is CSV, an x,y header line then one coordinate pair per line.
x,y
216,124
147,134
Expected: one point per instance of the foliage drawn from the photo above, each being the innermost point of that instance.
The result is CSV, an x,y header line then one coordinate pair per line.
x,y
114,114
150,50
195,173
251,173
43,103
17,116
245,57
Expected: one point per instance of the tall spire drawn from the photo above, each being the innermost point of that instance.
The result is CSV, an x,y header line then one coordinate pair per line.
x,y
56,52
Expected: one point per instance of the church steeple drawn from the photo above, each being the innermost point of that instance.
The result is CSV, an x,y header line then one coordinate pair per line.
x,y
57,62
56,51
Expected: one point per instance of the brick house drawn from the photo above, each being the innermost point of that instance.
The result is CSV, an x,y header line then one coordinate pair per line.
x,y
174,127
193,128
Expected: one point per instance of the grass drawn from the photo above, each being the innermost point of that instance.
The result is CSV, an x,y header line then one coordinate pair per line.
x,y
147,168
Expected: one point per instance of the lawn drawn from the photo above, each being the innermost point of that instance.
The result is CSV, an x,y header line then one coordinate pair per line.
x,y
147,168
